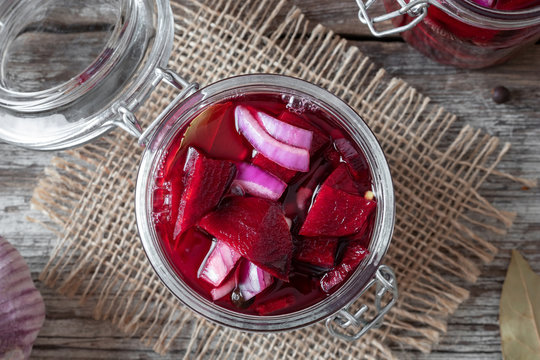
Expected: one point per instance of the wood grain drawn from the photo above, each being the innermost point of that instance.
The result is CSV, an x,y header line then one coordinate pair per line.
x,y
473,333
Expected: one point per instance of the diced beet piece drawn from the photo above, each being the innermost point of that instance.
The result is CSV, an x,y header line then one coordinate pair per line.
x,y
219,263
362,237
341,179
513,5
319,140
355,161
271,306
205,180
354,253
264,163
257,229
318,251
336,213
252,280
225,288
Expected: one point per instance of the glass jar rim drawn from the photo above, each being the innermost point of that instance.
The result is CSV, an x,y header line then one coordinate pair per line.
x,y
473,14
382,233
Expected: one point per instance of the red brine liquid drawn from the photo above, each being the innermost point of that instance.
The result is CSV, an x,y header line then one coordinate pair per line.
x,y
263,204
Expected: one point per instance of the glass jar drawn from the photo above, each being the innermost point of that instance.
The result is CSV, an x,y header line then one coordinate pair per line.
x,y
459,32
181,114
105,92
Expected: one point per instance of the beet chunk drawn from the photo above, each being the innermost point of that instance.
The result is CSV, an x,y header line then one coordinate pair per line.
x,y
205,180
318,251
271,306
256,228
354,253
336,213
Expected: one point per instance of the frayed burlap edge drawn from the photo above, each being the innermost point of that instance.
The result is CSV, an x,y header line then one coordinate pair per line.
x,y
88,193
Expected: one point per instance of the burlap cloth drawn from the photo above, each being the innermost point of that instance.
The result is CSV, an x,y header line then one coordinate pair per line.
x,y
88,193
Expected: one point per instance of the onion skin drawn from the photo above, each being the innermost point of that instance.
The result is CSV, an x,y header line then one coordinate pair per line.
x,y
252,280
22,310
284,132
258,182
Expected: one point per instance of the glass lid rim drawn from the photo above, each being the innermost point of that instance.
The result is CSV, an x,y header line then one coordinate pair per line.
x,y
47,99
91,125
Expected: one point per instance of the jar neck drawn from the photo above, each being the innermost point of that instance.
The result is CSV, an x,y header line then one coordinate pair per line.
x,y
473,14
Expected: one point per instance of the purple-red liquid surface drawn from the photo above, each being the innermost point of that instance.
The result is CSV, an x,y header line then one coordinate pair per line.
x,y
453,42
214,133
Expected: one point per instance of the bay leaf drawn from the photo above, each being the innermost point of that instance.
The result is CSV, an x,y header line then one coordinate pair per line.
x,y
519,313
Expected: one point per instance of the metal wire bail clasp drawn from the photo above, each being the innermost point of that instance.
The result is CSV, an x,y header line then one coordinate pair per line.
x,y
416,9
385,281
127,119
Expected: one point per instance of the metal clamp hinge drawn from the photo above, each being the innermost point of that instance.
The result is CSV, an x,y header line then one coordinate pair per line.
x,y
128,121
385,281
415,8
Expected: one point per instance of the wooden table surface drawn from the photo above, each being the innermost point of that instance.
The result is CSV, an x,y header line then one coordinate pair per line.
x,y
473,331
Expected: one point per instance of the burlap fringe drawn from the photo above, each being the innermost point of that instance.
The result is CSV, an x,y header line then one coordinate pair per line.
x,y
88,193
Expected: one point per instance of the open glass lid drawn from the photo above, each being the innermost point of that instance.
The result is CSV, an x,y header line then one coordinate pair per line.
x,y
72,69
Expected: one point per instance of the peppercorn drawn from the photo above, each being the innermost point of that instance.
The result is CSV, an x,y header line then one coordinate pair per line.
x,y
500,94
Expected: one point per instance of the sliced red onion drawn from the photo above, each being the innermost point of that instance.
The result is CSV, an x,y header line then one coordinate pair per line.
x,y
287,133
258,182
252,280
224,289
219,263
288,156
22,310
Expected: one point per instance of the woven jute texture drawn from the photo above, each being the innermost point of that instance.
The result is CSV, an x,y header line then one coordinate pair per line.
x,y
88,193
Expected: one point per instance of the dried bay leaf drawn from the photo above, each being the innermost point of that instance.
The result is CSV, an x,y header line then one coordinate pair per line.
x,y
519,314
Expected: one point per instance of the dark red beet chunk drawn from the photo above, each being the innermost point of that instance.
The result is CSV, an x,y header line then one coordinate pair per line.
x,y
256,228
513,5
340,179
318,251
205,181
336,213
355,162
271,306
284,174
354,253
